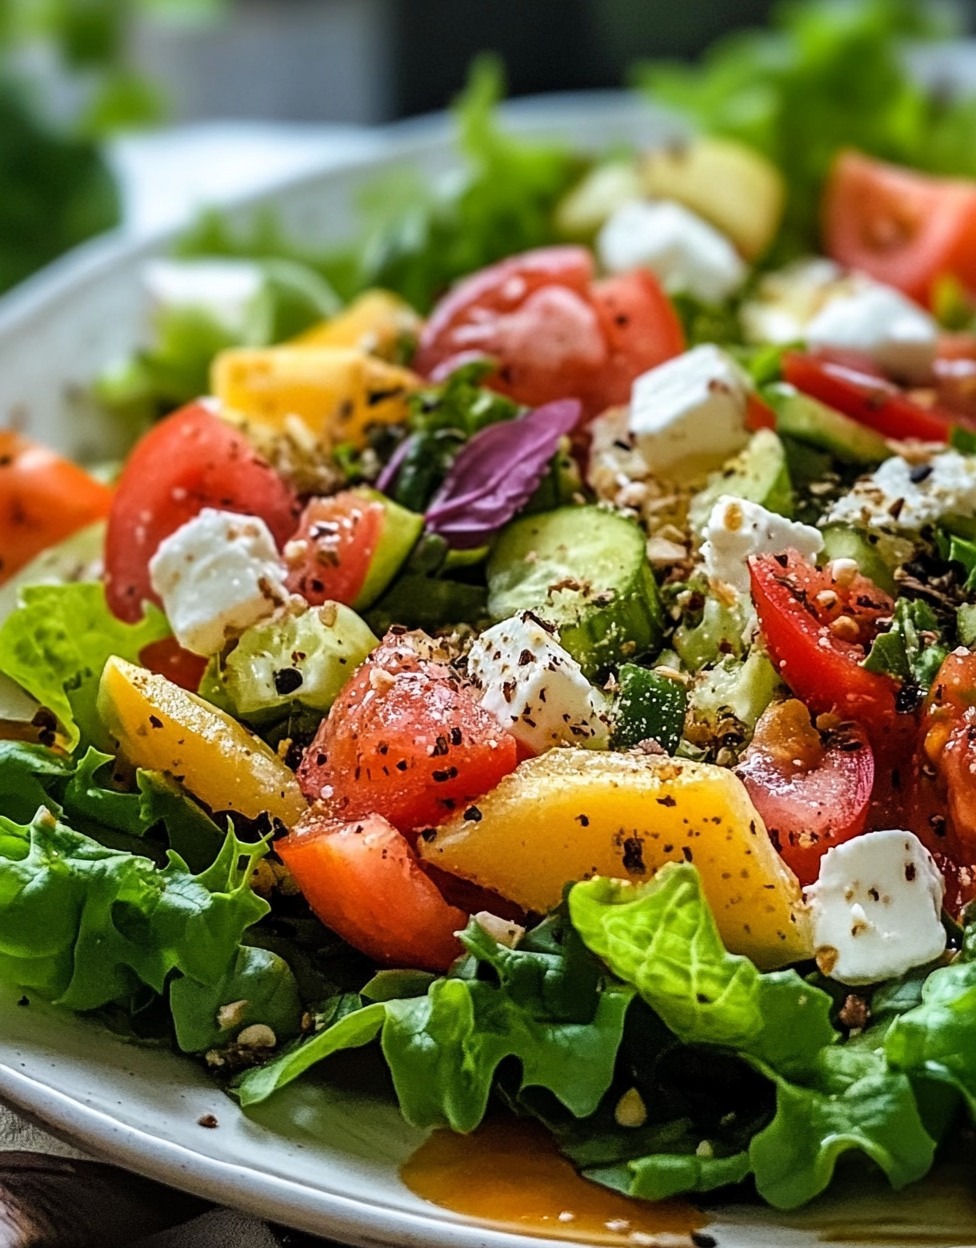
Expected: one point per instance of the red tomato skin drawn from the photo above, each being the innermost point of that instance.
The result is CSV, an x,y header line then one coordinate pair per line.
x,y
44,498
553,331
902,227
363,880
168,658
811,795
189,461
334,543
641,329
405,740
822,669
865,397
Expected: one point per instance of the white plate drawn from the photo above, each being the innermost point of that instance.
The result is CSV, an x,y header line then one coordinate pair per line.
x,y
323,1156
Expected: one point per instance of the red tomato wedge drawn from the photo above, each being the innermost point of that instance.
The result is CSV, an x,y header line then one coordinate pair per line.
x,y
817,630
188,461
43,499
554,332
948,754
406,740
867,398
334,544
168,658
905,228
363,880
812,792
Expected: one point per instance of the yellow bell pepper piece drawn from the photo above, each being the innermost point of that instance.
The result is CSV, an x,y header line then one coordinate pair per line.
x,y
161,727
378,322
336,392
573,813
735,188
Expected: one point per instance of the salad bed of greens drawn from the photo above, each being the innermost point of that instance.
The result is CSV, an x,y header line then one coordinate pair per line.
x,y
431,621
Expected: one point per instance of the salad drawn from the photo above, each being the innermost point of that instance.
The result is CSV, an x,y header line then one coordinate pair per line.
x,y
540,643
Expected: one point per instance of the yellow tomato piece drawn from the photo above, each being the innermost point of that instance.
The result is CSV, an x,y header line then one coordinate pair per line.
x,y
335,392
727,183
378,322
573,813
162,727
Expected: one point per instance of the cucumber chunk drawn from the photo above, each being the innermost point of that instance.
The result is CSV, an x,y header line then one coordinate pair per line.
x,y
649,707
808,420
841,541
585,570
758,473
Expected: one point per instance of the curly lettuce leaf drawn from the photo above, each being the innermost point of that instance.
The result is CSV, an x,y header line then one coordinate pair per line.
x,y
857,1104
258,982
84,791
661,937
545,1007
56,643
85,925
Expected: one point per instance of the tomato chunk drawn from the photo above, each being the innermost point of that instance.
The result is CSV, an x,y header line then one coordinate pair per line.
x,y
189,461
902,227
812,792
553,332
363,880
168,658
335,542
44,498
867,398
406,740
816,630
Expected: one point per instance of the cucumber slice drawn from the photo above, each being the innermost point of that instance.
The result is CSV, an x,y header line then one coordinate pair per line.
x,y
401,529
585,570
649,707
843,542
808,420
758,473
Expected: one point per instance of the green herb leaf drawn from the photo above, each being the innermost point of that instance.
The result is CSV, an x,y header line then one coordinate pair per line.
x,y
911,650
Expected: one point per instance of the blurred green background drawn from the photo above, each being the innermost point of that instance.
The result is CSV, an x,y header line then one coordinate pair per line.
x,y
73,73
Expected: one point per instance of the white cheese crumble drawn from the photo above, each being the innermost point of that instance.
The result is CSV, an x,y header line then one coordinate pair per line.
x,y
688,414
787,300
216,575
876,908
677,245
881,323
737,529
536,688
903,497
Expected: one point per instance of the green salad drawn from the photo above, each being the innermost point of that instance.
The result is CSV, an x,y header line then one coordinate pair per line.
x,y
540,642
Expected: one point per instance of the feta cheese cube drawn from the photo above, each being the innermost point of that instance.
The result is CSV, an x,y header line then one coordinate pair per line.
x,y
216,575
882,323
684,251
903,497
536,688
224,289
737,528
876,908
787,300
688,415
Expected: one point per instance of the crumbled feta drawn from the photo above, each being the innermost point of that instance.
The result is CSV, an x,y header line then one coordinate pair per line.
x,y
535,687
787,300
876,908
903,497
217,574
881,323
683,250
688,414
737,528
226,290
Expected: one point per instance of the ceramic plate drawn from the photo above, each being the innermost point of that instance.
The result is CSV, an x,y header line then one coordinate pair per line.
x,y
325,1155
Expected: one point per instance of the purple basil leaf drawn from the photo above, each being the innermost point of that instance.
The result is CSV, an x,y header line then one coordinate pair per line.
x,y
496,473
388,476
